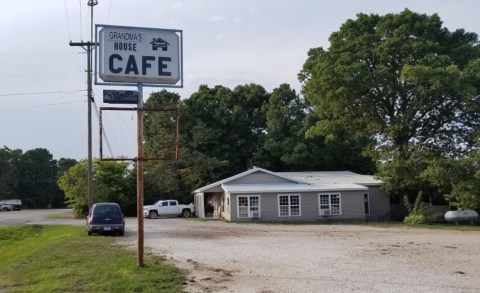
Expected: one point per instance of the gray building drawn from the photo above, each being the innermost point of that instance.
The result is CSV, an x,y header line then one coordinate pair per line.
x,y
262,195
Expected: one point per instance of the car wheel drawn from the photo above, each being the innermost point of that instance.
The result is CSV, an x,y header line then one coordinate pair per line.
x,y
5,209
89,233
153,215
186,213
121,233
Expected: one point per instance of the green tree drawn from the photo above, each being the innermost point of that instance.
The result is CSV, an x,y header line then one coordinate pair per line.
x,y
9,172
112,182
457,178
37,178
74,184
402,79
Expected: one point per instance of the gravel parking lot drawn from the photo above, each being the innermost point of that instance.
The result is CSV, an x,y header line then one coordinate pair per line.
x,y
226,257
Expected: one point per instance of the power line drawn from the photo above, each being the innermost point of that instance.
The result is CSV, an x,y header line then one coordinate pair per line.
x,y
16,106
52,73
109,9
41,93
68,25
126,125
37,106
104,133
34,53
27,101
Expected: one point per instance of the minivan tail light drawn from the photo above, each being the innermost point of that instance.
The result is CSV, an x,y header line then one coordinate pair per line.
x,y
123,220
90,221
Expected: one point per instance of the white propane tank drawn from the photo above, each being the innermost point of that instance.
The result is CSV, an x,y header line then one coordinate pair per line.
x,y
461,216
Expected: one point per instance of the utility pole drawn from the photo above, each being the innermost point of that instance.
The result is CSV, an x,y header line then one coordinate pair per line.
x,y
89,49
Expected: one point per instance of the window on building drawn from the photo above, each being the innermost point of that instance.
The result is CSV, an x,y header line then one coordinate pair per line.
x,y
331,201
367,203
289,205
247,205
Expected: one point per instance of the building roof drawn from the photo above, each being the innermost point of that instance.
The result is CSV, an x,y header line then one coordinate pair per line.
x,y
289,187
255,169
332,177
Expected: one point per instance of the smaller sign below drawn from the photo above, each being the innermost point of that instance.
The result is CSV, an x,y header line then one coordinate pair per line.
x,y
120,97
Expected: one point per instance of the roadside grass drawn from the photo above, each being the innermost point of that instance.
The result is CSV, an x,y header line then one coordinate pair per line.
x,y
437,226
36,258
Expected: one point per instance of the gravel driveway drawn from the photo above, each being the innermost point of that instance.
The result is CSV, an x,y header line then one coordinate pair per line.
x,y
226,257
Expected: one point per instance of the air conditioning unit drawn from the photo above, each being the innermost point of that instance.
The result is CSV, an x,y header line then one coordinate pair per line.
x,y
326,213
255,215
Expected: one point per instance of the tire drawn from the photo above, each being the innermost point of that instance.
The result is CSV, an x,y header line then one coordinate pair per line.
x,y
5,209
153,215
89,233
121,233
186,213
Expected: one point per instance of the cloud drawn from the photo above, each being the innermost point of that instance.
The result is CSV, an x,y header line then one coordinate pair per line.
x,y
177,5
237,20
217,18
220,36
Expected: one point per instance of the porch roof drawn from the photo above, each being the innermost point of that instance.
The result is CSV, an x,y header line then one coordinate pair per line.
x,y
246,173
287,187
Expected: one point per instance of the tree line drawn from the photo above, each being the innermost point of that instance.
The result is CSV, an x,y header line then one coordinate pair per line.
x,y
32,177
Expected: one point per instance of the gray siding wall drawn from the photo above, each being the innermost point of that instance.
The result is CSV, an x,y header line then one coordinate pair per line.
x,y
379,204
263,178
352,204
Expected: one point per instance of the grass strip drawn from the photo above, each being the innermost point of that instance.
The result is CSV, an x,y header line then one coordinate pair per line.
x,y
36,258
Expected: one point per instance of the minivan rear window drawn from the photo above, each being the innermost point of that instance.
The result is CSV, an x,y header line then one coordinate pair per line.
x,y
106,209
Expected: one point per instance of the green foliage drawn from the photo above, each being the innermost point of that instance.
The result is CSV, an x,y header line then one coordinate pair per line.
x,y
41,259
74,184
415,219
224,132
112,182
457,178
31,177
403,79
415,213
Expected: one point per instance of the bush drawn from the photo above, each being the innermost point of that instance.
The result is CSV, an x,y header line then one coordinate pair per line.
x,y
415,219
416,215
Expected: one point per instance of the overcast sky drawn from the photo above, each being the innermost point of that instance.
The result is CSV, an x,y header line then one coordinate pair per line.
x,y
225,43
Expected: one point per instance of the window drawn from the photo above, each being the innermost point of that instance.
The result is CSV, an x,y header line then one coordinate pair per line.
x,y
330,202
173,203
247,205
367,203
289,205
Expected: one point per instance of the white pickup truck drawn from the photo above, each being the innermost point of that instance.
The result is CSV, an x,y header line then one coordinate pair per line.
x,y
168,208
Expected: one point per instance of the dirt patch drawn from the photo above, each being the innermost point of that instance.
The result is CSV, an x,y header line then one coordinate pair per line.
x,y
227,257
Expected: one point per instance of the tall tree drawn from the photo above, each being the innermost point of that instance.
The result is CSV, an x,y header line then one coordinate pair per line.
x,y
9,172
403,79
112,183
37,178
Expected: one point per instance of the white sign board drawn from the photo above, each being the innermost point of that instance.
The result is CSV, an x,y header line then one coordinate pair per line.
x,y
139,55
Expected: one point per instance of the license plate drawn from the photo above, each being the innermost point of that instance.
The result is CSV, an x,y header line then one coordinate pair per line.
x,y
107,228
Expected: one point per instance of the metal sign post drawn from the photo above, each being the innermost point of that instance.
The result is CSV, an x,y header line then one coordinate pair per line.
x,y
135,56
140,224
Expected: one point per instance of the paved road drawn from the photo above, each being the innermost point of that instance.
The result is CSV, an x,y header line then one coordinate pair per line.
x,y
12,218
